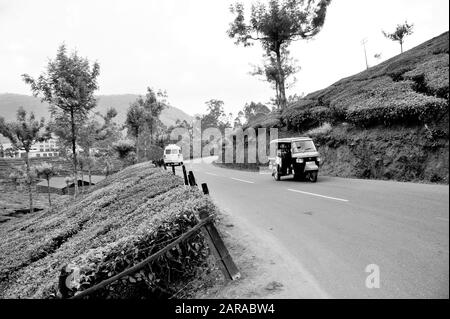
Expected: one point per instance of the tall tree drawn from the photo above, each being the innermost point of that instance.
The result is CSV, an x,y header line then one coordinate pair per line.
x,y
143,115
98,136
401,31
215,116
68,85
269,72
276,25
154,103
137,117
23,133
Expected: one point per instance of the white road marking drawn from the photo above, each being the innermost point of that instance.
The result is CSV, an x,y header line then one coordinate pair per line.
x,y
318,195
241,180
444,219
211,174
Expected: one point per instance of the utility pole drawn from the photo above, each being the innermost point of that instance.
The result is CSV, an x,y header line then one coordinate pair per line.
x,y
363,42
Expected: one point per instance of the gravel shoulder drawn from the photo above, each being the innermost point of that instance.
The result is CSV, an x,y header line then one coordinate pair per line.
x,y
267,268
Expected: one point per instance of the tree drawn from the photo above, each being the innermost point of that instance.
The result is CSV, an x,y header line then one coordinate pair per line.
x,y
275,26
154,103
254,110
401,31
108,166
23,133
215,116
269,72
46,171
137,117
69,180
68,85
143,115
95,135
237,123
125,151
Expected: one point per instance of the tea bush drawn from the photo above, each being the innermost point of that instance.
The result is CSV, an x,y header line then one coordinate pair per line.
x,y
118,223
406,110
411,88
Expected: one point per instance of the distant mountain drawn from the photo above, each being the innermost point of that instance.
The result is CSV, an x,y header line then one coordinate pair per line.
x,y
9,103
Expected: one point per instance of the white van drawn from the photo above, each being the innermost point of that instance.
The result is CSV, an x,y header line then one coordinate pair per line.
x,y
173,155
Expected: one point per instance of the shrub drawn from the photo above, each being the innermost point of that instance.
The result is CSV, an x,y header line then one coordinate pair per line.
x,y
421,109
435,75
309,118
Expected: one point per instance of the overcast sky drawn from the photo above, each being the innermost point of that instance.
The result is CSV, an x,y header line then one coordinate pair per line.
x,y
182,46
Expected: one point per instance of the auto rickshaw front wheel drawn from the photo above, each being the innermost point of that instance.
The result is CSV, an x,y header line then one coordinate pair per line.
x,y
312,176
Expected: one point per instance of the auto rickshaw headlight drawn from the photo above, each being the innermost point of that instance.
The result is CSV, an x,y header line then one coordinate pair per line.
x,y
300,160
319,159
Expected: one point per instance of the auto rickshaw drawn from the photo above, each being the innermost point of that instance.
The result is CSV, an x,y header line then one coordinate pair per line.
x,y
295,156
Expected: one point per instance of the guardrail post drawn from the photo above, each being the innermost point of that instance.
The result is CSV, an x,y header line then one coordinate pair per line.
x,y
205,189
192,181
186,181
218,248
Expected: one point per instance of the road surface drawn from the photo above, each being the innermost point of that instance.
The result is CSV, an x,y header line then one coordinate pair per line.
x,y
336,227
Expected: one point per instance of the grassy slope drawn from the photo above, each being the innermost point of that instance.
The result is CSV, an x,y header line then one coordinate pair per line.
x,y
120,214
403,151
389,81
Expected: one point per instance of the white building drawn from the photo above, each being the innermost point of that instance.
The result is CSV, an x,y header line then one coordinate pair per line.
x,y
44,149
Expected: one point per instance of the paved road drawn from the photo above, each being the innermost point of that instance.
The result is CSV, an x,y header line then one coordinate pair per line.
x,y
336,227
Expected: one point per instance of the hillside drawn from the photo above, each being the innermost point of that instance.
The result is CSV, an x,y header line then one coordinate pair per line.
x,y
118,223
9,103
388,122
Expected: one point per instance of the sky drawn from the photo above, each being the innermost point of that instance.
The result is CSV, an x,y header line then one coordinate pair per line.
x,y
181,46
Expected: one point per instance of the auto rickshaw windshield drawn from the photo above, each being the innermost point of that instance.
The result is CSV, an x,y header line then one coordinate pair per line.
x,y
303,147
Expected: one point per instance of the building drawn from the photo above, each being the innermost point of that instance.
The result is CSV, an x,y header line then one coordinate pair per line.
x,y
59,186
42,149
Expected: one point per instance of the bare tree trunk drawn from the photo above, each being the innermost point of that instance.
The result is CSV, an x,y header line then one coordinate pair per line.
x,y
82,179
48,192
74,151
277,92
281,85
89,172
30,194
151,131
137,146
401,46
